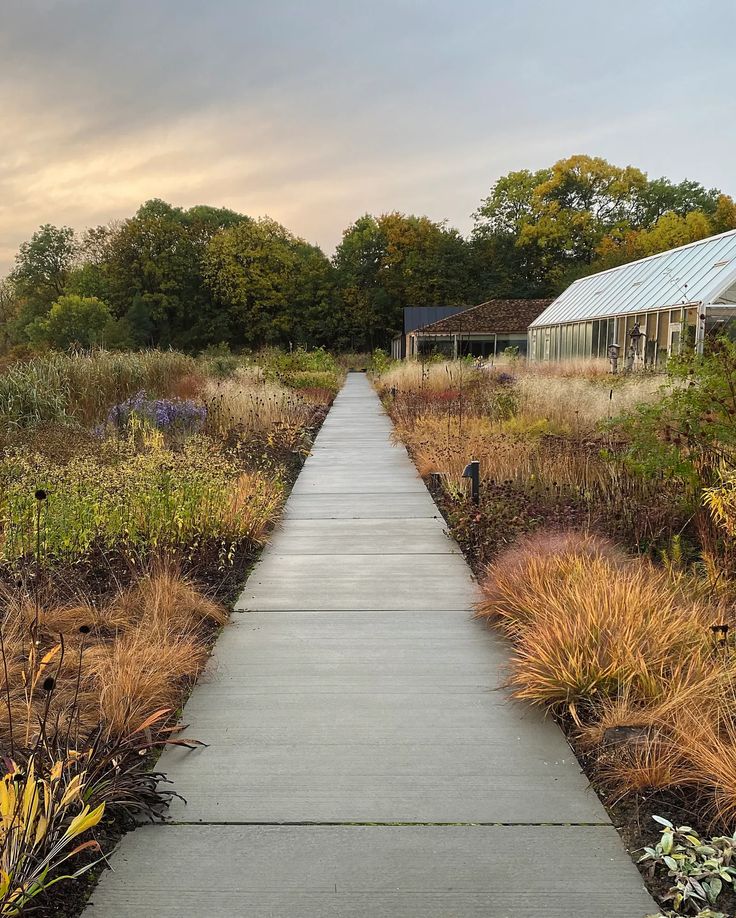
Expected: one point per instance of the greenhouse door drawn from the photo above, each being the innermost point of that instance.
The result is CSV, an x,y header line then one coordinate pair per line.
x,y
674,341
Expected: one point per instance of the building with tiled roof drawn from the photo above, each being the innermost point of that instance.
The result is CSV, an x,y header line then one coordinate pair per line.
x,y
486,330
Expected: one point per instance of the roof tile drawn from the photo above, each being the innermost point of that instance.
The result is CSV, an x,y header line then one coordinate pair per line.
x,y
510,317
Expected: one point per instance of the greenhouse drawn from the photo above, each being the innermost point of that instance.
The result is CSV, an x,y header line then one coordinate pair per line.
x,y
645,310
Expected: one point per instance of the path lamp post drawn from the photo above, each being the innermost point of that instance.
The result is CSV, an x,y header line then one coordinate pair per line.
x,y
472,471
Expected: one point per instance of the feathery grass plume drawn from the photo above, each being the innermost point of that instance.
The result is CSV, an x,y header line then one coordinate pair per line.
x,y
111,663
588,625
603,630
165,598
516,584
579,405
145,669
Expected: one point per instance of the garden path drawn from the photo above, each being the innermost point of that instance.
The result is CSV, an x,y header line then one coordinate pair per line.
x,y
363,761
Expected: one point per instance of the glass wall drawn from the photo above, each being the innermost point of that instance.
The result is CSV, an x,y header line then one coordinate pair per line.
x,y
659,335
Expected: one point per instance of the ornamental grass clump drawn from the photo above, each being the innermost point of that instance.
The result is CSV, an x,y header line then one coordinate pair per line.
x,y
640,660
588,625
112,664
265,411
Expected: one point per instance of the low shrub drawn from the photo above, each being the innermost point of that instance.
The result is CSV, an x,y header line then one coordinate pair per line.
x,y
698,869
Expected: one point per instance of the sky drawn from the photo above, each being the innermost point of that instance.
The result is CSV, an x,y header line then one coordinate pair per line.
x,y
316,112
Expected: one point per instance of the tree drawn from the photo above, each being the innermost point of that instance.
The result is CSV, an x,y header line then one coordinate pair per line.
x,y
386,263
661,196
75,320
268,283
724,215
150,269
8,313
538,231
42,268
43,263
669,232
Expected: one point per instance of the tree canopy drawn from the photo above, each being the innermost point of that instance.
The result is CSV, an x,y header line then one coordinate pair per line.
x,y
203,276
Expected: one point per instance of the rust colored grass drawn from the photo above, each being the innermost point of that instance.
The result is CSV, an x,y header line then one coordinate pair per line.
x,y
113,664
588,625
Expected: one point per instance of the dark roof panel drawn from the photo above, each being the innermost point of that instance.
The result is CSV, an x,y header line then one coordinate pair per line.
x,y
417,316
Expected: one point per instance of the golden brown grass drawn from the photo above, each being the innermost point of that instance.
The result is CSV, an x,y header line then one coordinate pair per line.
x,y
414,376
113,664
629,653
588,625
141,672
254,407
507,451
580,405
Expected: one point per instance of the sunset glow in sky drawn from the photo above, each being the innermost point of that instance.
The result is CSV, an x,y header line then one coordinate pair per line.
x,y
317,112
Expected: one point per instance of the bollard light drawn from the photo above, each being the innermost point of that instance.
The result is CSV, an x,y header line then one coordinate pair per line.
x,y
472,471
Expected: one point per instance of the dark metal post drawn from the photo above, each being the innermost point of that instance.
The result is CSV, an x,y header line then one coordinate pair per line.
x,y
472,471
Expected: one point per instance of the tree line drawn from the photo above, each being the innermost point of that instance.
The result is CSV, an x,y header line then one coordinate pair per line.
x,y
203,276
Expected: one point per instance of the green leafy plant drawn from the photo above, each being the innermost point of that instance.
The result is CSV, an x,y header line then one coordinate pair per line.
x,y
699,869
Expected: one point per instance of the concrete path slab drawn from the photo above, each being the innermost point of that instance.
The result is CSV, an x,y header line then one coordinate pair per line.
x,y
352,692
364,536
361,506
237,871
366,583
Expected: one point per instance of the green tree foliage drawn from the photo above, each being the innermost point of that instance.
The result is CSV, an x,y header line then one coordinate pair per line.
x,y
193,278
270,286
150,269
42,268
386,263
8,313
80,321
538,231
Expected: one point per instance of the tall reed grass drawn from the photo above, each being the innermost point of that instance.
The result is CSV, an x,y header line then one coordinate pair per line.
x,y
82,387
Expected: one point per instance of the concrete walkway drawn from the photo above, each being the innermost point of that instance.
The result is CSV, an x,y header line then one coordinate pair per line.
x,y
363,762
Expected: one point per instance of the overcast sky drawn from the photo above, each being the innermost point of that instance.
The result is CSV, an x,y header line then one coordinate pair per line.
x,y
317,111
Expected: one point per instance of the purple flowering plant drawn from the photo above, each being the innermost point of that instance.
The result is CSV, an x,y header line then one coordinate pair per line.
x,y
180,415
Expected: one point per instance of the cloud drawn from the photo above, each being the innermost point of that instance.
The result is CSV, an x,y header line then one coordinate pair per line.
x,y
315,113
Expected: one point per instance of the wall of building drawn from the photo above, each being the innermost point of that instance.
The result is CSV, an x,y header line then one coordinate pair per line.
x,y
661,332
465,345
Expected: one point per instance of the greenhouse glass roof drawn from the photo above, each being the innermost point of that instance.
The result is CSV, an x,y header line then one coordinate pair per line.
x,y
701,272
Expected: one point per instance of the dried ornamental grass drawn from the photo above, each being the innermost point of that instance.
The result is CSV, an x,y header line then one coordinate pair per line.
x,y
113,665
259,409
588,626
515,585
